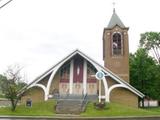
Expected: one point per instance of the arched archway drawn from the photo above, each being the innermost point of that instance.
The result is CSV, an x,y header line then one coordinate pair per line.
x,y
35,93
121,94
84,78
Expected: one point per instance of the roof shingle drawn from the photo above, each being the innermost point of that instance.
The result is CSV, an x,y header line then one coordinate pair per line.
x,y
115,20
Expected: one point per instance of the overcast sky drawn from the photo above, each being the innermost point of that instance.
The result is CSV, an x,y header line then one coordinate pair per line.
x,y
36,34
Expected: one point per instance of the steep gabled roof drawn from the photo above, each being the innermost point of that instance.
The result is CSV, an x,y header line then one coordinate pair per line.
x,y
105,70
115,20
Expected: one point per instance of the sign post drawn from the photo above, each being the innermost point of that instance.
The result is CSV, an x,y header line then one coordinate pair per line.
x,y
99,76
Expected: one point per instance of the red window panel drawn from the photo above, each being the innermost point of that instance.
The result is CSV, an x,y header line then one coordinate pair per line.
x,y
78,70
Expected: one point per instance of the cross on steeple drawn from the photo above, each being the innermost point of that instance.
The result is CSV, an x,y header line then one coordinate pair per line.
x,y
113,6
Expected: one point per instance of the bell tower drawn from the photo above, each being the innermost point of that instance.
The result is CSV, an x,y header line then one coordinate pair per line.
x,y
116,48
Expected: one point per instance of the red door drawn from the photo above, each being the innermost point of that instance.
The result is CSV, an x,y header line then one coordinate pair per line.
x,y
78,76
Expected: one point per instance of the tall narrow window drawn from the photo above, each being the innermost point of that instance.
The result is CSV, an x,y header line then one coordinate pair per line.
x,y
91,71
64,73
117,44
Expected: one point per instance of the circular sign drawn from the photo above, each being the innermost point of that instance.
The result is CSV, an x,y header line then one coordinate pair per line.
x,y
100,75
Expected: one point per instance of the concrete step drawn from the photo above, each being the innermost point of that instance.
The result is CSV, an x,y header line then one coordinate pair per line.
x,y
72,104
92,98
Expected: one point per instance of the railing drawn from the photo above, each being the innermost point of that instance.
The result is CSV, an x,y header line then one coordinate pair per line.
x,y
84,103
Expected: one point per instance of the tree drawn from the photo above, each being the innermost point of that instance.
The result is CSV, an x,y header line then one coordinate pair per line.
x,y
11,85
151,41
144,73
2,78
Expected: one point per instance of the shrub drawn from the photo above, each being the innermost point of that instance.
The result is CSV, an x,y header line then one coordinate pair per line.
x,y
99,105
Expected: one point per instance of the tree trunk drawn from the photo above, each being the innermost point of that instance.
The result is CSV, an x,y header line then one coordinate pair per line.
x,y
14,104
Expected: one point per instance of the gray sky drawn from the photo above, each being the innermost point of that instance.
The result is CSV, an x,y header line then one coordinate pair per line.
x,y
38,33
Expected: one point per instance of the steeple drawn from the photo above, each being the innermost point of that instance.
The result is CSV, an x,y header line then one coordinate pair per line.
x,y
115,20
115,47
114,7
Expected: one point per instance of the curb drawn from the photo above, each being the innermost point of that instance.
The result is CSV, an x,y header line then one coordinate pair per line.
x,y
71,117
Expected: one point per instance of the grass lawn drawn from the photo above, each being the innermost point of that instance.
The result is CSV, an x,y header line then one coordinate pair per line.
x,y
156,109
47,109
1,96
37,109
114,109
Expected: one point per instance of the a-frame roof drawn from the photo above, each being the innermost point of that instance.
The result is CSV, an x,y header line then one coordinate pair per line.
x,y
105,70
115,20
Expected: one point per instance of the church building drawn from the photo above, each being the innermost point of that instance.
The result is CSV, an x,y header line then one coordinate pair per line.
x,y
78,74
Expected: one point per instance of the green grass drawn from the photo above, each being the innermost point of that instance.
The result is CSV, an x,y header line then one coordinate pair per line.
x,y
37,109
154,109
113,109
2,96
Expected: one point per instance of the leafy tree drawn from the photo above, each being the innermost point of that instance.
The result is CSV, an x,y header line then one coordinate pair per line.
x,y
2,78
11,85
151,41
144,73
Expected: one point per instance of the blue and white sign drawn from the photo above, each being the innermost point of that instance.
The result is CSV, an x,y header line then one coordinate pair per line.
x,y
100,75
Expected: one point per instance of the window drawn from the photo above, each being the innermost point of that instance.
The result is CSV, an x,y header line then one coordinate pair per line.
x,y
64,73
117,44
91,71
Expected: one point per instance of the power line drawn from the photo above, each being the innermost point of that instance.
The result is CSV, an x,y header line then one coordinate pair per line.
x,y
5,3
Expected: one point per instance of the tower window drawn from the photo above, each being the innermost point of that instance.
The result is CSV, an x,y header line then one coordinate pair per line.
x,y
117,44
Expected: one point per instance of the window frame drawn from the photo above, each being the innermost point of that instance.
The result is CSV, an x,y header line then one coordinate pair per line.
x,y
112,40
65,73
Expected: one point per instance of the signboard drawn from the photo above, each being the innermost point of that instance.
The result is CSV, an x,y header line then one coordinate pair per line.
x,y
100,75
29,103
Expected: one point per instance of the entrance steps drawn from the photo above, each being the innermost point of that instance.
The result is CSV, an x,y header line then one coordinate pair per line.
x,y
92,98
71,104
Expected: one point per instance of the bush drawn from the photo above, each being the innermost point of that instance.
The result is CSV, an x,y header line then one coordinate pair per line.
x,y
99,105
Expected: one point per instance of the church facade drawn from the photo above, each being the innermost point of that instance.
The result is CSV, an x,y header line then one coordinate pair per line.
x,y
76,73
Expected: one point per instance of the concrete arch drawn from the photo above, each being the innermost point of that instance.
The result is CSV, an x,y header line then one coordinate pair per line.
x,y
115,86
58,67
40,86
51,79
